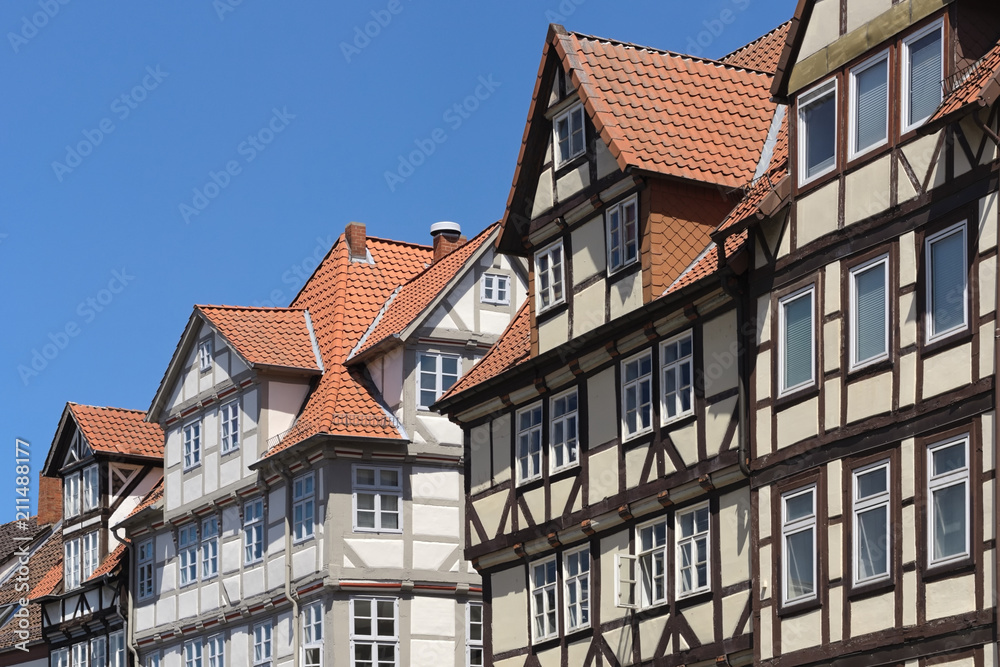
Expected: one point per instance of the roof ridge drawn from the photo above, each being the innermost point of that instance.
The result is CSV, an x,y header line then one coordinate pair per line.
x,y
106,407
757,40
261,308
398,242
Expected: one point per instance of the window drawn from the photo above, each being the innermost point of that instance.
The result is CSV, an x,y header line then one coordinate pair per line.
x,y
798,532
576,574
922,76
144,574
312,635
71,564
871,523
99,652
187,552
637,394
303,506
474,634
229,419
209,547
438,372
529,443
869,312
192,445
623,234
262,644
948,494
81,655
796,340
564,437
60,658
377,492
652,545
91,488
116,646
678,375
192,653
543,599
253,531
374,632
153,660
869,112
691,530
569,134
549,276
215,647
947,283
71,495
818,132
89,546
495,289
205,355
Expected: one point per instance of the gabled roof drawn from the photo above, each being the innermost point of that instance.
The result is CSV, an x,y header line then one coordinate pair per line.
x,y
976,87
513,348
15,534
278,337
408,306
763,53
115,431
790,50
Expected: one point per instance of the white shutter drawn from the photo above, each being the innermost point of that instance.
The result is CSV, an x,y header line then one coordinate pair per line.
x,y
625,588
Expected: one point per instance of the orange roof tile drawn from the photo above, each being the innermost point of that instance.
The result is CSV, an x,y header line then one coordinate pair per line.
x,y
155,495
512,349
113,560
118,431
708,262
977,83
48,583
758,191
266,336
763,53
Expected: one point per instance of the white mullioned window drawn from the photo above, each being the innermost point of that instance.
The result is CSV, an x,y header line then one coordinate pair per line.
x,y
378,492
253,531
71,563
869,110
209,547
215,649
374,632
153,660
872,538
651,542
144,569
948,499
922,75
637,395
693,559
99,652
187,553
192,445
623,234
436,375
869,287
549,276
529,443
796,341
304,506
312,635
229,423
947,282
205,355
677,364
193,653
495,289
817,135
569,134
89,545
564,445
262,643
81,655
576,578
116,649
798,533
91,488
71,495
544,608
60,658
474,634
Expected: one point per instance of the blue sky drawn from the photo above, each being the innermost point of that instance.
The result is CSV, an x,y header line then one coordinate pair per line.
x,y
158,155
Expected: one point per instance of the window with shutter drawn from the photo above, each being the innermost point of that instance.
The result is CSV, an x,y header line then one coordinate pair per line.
x,y
869,104
947,283
869,312
818,131
625,566
923,75
796,340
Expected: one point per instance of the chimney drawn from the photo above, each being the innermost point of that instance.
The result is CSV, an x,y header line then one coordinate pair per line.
x,y
355,234
447,237
50,500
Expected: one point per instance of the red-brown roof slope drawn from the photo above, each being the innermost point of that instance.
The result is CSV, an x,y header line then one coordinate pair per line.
x,y
415,296
118,431
266,336
512,349
763,187
44,573
155,495
110,563
763,53
977,85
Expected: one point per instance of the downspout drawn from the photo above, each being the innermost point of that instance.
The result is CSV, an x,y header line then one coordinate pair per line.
x,y
996,391
742,368
130,614
292,597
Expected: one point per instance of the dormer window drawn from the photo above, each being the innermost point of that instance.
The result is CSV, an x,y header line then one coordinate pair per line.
x,y
205,355
923,75
570,138
549,276
495,289
91,488
818,132
71,495
623,234
869,115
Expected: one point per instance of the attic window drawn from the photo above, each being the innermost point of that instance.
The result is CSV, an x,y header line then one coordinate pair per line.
x,y
569,140
818,131
923,74
205,355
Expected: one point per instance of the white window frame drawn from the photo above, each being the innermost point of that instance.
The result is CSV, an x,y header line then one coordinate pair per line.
x,y
645,599
439,389
519,453
793,528
470,643
862,505
574,110
194,653
312,634
80,654
144,569
187,554
810,293
544,590
374,639
205,355
90,554
60,658
803,102
90,496
564,419
636,383
675,366
575,581
958,228
209,548
378,490
262,649
116,649
852,123
191,436
618,211
627,583
491,283
229,416
303,507
99,652
904,74
856,363
215,651
71,563
939,482
152,659
71,495
547,251
253,531
681,542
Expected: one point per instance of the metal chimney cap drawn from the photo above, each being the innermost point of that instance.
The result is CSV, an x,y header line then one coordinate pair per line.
x,y
446,228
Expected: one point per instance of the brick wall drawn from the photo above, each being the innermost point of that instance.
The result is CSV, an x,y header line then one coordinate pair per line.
x,y
49,499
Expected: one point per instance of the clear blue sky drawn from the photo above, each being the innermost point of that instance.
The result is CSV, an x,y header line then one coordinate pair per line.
x,y
115,113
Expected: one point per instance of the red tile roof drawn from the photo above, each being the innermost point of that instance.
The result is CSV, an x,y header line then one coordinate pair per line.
x,y
118,431
757,192
48,583
708,262
977,84
415,296
155,495
763,53
512,349
266,336
113,560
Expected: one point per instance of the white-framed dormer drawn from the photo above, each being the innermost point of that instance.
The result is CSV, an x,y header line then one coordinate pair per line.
x,y
569,134
494,289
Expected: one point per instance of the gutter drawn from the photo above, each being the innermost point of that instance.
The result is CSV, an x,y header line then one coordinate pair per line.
x,y
293,597
742,366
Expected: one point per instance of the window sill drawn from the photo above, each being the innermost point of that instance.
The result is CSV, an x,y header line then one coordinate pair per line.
x,y
694,598
632,437
871,588
301,540
558,472
231,450
531,483
950,568
678,421
561,168
616,272
378,531
796,396
542,314
867,368
792,609
941,341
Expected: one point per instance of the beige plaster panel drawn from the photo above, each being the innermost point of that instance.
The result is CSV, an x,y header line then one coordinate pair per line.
x,y
816,214
869,397
589,252
872,614
603,475
510,600
951,596
734,536
798,422
588,308
803,631
553,332
947,370
866,190
601,392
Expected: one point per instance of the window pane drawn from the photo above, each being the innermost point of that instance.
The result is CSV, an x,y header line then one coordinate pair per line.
x,y
947,459
872,548
799,552
820,117
949,521
870,292
798,341
799,507
947,284
872,483
925,77
871,90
